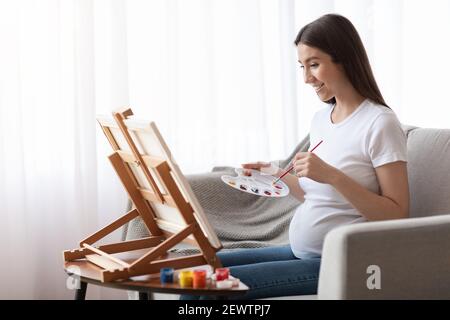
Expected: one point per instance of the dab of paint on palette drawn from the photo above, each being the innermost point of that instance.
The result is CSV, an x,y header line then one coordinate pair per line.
x,y
257,184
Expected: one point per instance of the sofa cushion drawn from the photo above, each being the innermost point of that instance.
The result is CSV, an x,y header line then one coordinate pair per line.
x,y
429,171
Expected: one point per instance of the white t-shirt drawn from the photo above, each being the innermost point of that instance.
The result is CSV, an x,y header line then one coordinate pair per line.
x,y
369,137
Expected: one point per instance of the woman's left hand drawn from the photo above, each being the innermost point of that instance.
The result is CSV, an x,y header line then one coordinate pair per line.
x,y
309,165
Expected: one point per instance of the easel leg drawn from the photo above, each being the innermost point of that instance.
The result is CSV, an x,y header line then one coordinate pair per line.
x,y
80,294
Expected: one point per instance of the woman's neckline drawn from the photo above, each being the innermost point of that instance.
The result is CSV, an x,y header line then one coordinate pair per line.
x,y
346,119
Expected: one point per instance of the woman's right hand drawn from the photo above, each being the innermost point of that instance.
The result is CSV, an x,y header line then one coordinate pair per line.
x,y
255,166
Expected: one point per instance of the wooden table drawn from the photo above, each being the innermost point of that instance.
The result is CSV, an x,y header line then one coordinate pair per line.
x,y
145,285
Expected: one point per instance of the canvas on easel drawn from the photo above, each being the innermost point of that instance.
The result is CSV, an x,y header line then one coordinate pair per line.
x,y
161,196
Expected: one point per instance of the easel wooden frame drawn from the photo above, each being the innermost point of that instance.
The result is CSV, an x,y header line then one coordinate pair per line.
x,y
164,235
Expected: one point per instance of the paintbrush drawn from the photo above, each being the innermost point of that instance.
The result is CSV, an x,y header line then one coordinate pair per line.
x,y
292,166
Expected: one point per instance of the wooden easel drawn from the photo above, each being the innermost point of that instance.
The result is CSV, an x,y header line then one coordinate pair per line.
x,y
159,193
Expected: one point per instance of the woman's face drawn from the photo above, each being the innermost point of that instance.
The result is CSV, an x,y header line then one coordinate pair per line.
x,y
325,76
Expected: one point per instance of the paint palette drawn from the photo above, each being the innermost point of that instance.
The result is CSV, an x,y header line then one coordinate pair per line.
x,y
258,184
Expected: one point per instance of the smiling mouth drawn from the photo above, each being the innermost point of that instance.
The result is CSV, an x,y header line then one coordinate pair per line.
x,y
319,88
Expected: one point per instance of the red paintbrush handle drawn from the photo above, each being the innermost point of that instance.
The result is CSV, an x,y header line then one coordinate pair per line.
x,y
287,170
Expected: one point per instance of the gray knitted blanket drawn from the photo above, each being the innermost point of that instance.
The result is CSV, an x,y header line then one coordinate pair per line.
x,y
241,220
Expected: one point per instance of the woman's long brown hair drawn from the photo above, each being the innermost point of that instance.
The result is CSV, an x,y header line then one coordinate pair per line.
x,y
336,36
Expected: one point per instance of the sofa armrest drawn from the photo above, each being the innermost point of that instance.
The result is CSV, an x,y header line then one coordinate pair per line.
x,y
396,259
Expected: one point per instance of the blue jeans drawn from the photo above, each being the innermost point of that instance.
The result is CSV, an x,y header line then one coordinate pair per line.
x,y
270,272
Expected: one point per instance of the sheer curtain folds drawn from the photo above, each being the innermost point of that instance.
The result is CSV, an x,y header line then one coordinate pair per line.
x,y
47,140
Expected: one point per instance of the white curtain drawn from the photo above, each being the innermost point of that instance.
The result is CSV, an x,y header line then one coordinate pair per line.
x,y
219,77
48,164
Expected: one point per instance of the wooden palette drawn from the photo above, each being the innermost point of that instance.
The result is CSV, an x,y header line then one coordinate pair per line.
x,y
258,184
